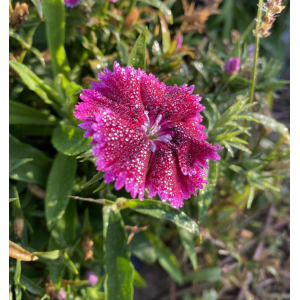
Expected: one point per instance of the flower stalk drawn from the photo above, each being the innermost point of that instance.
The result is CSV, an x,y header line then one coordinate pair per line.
x,y
256,51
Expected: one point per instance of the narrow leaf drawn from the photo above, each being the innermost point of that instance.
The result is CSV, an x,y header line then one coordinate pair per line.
x,y
187,240
24,170
164,211
137,58
69,140
20,114
54,12
119,270
31,286
35,84
161,6
165,257
210,275
59,186
95,178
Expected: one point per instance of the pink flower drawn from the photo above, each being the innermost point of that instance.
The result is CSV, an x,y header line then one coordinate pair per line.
x,y
179,41
62,294
146,134
91,277
71,3
232,66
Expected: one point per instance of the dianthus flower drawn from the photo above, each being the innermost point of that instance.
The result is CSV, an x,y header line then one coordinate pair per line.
x,y
232,66
71,3
146,134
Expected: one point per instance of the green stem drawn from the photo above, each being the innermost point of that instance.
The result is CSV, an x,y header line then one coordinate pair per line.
x,y
253,78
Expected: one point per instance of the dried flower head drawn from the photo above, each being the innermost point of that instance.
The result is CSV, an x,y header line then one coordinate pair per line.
x,y
19,15
146,134
132,17
71,3
87,247
18,226
194,19
232,66
272,8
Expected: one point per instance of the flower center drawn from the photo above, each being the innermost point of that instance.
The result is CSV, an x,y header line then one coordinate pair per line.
x,y
153,130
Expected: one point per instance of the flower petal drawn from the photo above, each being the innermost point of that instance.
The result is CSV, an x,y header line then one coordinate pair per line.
x,y
122,87
122,151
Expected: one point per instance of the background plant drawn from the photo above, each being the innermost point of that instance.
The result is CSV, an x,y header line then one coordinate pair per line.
x,y
229,242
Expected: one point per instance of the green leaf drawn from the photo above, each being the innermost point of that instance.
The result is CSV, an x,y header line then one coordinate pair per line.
x,y
24,170
15,163
210,275
119,270
54,12
187,240
250,196
205,195
18,290
175,80
166,37
39,8
142,248
48,255
161,6
31,286
164,211
69,263
137,58
165,257
100,187
95,178
69,140
59,186
271,123
35,84
20,114
272,85
138,280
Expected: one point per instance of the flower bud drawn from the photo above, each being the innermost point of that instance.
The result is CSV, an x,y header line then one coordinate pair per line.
x,y
232,66
132,18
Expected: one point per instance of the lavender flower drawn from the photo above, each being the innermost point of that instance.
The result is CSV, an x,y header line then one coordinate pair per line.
x,y
232,66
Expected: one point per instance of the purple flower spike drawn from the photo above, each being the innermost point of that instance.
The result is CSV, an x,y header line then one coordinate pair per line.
x,y
71,3
62,295
146,134
179,41
92,278
232,66
114,1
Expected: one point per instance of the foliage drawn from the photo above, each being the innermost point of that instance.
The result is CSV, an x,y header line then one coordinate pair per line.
x,y
224,243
